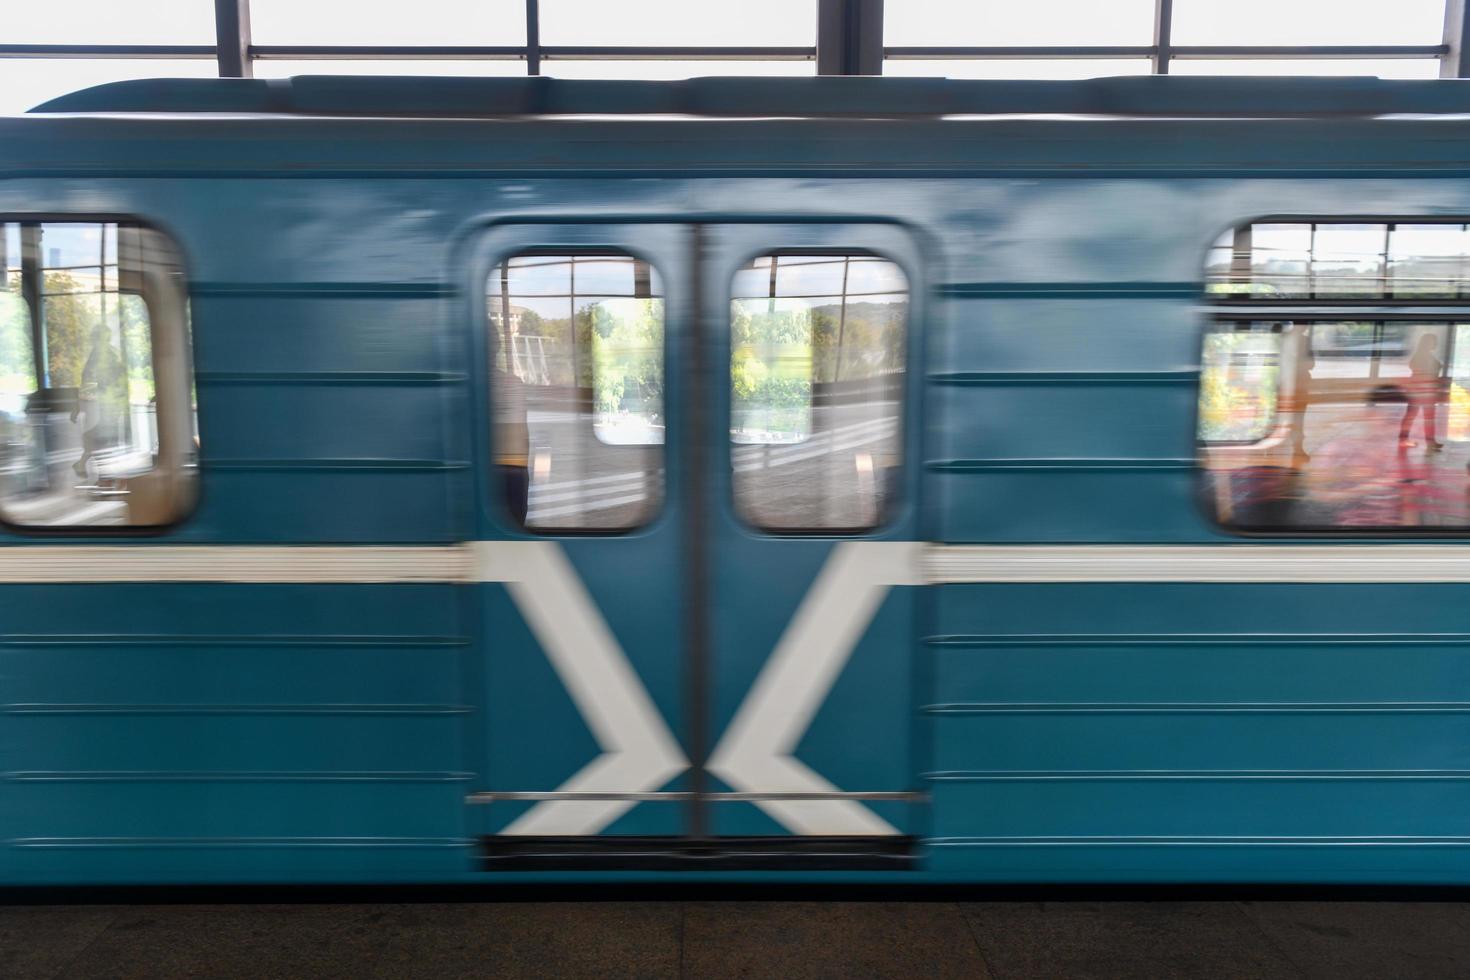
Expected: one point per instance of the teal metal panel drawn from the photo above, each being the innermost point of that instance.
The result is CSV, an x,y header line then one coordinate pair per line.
x,y
1007,416
164,732
1251,732
1203,736
344,336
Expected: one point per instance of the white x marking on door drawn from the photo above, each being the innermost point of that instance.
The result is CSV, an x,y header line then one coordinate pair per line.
x,y
757,752
639,753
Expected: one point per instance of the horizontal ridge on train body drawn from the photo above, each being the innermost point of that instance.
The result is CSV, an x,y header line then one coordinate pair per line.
x,y
857,97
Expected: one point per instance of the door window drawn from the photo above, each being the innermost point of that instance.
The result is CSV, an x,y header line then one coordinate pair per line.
x,y
816,390
577,387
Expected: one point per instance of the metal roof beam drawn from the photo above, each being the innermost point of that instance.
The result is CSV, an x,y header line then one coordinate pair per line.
x,y
1176,51
850,37
533,37
561,52
1455,62
1163,30
151,51
232,38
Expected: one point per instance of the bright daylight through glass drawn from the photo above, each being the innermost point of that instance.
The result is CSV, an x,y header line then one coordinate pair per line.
x,y
668,39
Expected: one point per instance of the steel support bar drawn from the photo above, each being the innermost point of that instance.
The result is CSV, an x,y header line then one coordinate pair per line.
x,y
568,52
533,37
1455,62
911,53
473,52
334,52
232,37
1307,51
161,51
850,37
1175,51
1163,29
707,53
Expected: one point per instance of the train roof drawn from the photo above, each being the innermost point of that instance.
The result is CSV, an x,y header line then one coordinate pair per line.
x,y
824,97
363,126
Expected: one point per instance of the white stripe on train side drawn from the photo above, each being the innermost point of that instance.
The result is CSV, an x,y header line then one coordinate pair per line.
x,y
1268,563
932,564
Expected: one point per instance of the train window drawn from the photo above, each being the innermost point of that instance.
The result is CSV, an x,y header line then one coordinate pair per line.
x,y
1311,418
577,357
816,390
97,417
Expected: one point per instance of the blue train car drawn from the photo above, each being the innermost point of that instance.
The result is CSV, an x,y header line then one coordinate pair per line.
x,y
905,480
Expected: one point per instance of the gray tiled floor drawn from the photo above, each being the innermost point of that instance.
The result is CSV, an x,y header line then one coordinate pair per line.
x,y
787,939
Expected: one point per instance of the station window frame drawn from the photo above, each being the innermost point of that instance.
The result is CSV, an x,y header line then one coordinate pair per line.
x,y
190,477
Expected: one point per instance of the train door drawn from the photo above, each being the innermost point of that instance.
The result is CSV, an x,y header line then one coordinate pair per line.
x,y
810,490
697,541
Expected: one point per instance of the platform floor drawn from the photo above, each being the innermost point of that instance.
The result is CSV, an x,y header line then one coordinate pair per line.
x,y
787,939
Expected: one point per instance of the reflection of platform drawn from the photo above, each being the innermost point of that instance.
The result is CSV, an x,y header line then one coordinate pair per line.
x,y
553,501
98,498
41,484
63,509
829,476
1342,464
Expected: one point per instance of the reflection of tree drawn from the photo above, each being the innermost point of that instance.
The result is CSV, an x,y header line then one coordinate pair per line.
x,y
137,345
1238,405
863,341
626,340
69,318
613,346
780,353
17,373
771,366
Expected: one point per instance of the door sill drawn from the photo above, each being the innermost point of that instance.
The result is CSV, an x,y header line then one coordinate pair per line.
x,y
612,853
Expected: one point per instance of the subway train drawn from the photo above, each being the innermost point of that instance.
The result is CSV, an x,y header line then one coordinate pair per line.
x,y
841,479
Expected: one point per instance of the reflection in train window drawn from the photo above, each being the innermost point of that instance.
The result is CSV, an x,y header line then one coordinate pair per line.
x,y
1239,385
1342,260
96,392
1337,424
577,388
816,390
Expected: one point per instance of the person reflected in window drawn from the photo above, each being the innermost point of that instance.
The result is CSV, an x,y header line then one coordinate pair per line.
x,y
512,444
101,400
511,432
1425,371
